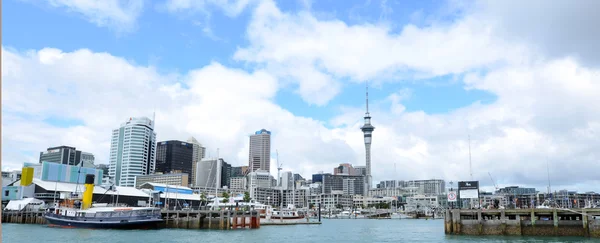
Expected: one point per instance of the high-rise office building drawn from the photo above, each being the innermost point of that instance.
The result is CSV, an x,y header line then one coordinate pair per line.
x,y
67,156
199,153
344,169
132,151
287,180
260,151
174,157
237,171
213,173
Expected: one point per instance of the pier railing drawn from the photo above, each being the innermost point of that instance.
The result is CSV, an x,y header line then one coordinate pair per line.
x,y
535,222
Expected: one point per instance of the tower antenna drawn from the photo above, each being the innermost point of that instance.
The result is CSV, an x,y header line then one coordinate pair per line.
x,y
367,91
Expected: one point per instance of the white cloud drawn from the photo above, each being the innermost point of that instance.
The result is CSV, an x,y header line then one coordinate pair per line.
x,y
231,8
120,15
545,110
368,51
220,107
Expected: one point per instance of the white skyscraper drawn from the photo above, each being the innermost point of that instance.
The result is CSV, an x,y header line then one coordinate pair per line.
x,y
260,151
197,156
132,151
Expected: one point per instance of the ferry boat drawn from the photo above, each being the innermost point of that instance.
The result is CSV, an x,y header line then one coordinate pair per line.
x,y
70,215
266,212
105,217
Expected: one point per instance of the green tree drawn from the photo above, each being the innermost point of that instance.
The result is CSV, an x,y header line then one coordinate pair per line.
x,y
311,205
246,197
202,198
339,206
225,197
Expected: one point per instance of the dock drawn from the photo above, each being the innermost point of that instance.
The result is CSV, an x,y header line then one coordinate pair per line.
x,y
526,222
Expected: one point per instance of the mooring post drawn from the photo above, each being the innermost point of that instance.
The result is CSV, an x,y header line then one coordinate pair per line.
x,y
319,212
234,226
244,220
221,225
533,217
479,221
585,220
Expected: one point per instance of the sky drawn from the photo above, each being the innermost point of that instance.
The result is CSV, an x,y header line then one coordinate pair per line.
x,y
518,79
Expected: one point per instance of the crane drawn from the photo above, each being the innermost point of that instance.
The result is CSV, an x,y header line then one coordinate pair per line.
x,y
279,168
493,182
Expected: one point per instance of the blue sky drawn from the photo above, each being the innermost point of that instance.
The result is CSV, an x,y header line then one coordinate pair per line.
x,y
220,70
176,44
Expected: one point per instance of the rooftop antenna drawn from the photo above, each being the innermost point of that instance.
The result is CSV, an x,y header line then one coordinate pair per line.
x,y
470,164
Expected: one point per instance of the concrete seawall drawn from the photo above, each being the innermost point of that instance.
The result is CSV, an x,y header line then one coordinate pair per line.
x,y
530,222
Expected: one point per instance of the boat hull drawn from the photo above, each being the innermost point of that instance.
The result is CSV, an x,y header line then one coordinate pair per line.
x,y
133,224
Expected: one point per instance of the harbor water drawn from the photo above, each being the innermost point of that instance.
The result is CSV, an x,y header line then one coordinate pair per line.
x,y
332,230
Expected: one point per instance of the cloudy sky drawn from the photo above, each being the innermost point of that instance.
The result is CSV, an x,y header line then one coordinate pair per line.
x,y
521,78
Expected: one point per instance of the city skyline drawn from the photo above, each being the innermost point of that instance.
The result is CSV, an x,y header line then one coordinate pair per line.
x,y
524,93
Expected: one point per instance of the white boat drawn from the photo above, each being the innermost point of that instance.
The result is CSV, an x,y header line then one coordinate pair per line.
x,y
400,216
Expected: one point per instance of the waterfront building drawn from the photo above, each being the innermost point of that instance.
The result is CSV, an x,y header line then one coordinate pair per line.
x,y
360,201
175,179
333,200
213,173
161,187
67,155
48,191
210,192
336,183
269,196
260,151
260,178
199,153
420,201
431,187
367,130
296,197
315,188
515,190
132,151
175,157
389,192
9,177
50,171
238,182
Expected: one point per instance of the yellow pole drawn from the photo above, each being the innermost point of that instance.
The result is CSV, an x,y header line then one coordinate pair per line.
x,y
89,191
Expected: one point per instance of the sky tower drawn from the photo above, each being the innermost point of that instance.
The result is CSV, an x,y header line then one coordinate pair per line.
x,y
367,130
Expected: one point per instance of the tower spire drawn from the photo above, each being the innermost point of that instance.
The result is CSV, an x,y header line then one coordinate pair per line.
x,y
367,89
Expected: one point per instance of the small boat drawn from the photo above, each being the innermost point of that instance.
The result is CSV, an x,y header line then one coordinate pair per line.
x,y
73,215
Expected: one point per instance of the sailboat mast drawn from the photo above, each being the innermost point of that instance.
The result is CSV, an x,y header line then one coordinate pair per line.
x,y
470,164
